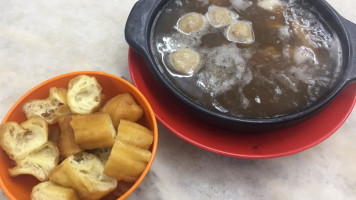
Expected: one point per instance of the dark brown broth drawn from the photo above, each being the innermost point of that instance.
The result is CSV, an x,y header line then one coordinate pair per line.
x,y
262,79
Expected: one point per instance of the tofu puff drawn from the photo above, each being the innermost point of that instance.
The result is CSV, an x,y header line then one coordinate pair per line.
x,y
191,22
240,32
185,61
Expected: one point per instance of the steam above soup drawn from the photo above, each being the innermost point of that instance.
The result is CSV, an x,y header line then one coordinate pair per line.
x,y
253,59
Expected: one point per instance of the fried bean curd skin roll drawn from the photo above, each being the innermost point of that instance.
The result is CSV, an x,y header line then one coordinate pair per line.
x,y
92,131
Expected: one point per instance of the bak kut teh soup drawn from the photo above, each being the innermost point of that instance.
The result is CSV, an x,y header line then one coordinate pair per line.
x,y
247,58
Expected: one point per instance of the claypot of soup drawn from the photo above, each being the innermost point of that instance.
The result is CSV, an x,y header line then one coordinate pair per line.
x,y
246,64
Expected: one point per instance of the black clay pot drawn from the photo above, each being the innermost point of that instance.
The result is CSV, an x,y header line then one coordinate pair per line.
x,y
138,33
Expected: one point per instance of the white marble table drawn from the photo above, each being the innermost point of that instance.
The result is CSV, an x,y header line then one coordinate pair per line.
x,y
42,39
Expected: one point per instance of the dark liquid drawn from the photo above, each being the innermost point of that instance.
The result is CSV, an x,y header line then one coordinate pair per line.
x,y
293,62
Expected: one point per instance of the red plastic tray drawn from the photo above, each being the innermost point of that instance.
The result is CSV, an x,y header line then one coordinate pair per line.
x,y
239,144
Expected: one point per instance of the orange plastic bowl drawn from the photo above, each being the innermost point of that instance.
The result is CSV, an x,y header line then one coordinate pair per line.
x,y
19,188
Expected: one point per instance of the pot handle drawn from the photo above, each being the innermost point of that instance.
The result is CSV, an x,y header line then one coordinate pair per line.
x,y
351,31
136,28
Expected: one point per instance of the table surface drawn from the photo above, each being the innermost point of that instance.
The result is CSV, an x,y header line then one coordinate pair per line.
x,y
42,39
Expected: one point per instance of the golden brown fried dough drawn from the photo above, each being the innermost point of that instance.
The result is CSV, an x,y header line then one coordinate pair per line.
x,y
134,134
123,106
43,108
84,95
126,162
50,191
84,173
39,162
53,133
19,140
102,153
92,131
121,189
49,109
58,93
66,144
62,110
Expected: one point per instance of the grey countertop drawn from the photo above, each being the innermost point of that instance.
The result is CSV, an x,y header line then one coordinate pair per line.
x,y
42,39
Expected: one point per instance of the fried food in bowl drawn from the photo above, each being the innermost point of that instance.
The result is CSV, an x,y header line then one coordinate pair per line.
x,y
20,186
